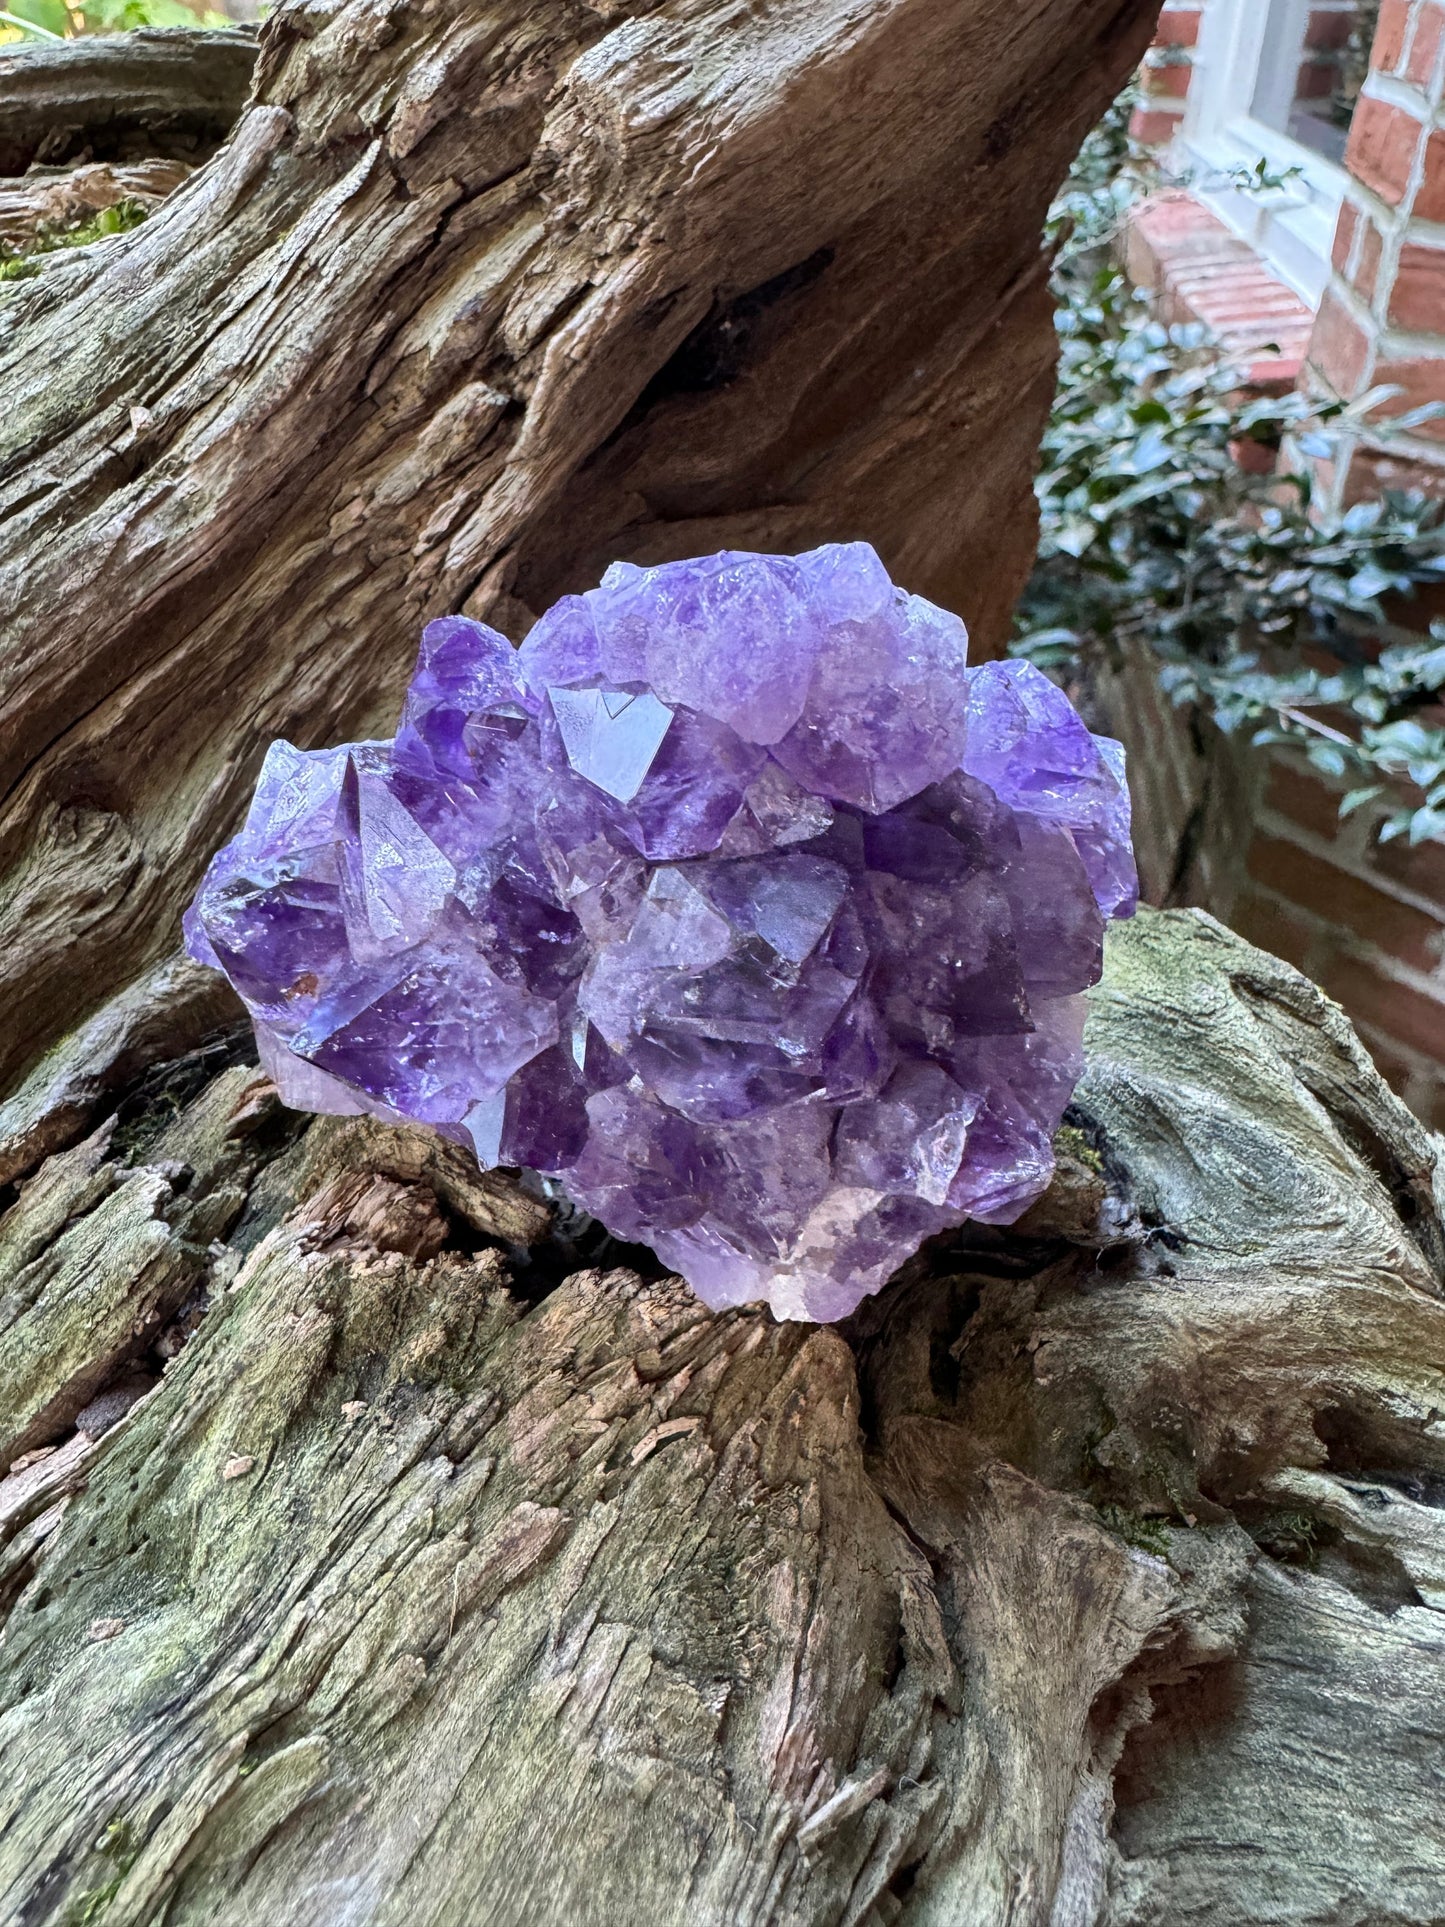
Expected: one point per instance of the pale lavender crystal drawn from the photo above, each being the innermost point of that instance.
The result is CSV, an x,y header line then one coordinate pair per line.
x,y
733,899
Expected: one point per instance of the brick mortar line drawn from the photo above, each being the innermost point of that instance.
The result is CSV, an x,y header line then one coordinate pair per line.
x,y
1422,105
1322,948
1424,1071
1349,268
1391,971
1286,830
1413,15
1341,939
1427,234
1408,96
1420,347
1359,312
1424,1080
1378,210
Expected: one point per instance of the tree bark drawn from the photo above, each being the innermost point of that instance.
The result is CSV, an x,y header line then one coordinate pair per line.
x,y
473,302
1093,1575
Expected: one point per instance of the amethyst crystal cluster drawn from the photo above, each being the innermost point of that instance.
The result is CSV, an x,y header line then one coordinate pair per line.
x,y
734,900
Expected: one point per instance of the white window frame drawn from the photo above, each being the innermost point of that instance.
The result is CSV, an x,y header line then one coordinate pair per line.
x,y
1292,227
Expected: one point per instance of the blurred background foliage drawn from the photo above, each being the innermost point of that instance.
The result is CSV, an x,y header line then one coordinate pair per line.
x,y
22,20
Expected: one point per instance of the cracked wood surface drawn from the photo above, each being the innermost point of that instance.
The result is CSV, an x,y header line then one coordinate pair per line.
x,y
1092,1576
474,301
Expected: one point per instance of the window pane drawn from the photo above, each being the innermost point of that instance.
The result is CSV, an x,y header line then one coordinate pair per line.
x,y
1315,58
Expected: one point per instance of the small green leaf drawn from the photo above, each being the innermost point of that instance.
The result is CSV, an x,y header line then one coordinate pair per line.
x,y
1356,799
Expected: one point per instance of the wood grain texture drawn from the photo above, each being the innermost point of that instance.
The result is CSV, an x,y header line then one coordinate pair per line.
x,y
474,301
1090,1577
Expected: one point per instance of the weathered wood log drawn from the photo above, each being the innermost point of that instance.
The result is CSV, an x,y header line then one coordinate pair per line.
x,y
1093,1574
473,302
169,92
51,198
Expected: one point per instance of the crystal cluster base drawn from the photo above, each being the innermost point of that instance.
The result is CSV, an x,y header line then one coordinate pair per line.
x,y
733,899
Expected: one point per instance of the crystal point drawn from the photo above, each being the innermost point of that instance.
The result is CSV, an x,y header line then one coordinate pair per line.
x,y
611,735
734,899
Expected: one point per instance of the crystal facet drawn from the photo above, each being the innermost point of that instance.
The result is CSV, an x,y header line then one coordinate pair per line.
x,y
734,900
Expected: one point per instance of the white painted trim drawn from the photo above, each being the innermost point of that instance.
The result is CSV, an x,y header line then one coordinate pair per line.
x,y
1293,228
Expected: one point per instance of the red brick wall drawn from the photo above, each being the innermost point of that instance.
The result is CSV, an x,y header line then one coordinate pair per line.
x,y
1166,72
1256,838
1382,320
1198,271
1365,920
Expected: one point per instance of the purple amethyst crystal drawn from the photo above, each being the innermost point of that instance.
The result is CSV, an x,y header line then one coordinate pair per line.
x,y
733,900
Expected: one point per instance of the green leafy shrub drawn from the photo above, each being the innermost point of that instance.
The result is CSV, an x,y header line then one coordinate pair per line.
x,y
1157,526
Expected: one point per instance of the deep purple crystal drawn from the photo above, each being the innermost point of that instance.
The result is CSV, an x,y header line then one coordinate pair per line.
x,y
733,899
